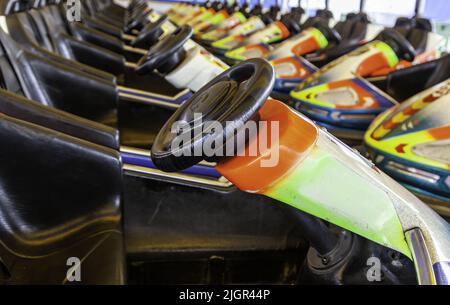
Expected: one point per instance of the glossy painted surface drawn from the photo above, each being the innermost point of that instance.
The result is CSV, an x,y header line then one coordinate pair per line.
x,y
307,41
360,62
411,141
320,176
290,71
223,28
336,94
144,160
237,34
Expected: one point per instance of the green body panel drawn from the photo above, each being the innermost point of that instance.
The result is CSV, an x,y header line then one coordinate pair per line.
x,y
320,38
388,52
323,186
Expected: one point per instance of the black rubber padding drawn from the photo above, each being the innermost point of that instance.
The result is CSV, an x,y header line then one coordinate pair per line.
x,y
167,54
150,33
401,46
231,99
331,34
292,25
267,18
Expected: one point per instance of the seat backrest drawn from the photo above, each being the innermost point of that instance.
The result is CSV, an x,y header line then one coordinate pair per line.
x,y
8,76
403,25
60,198
24,28
12,6
418,35
418,39
33,112
404,83
63,87
345,28
42,30
53,19
415,30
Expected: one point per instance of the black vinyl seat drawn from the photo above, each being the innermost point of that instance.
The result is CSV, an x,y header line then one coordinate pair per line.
x,y
415,30
60,198
354,27
352,31
419,34
404,83
23,109
57,85
107,9
72,39
54,14
29,30
66,85
73,89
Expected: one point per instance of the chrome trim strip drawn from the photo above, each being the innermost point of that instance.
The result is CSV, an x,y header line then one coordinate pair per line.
x,y
150,101
148,153
139,171
421,257
442,273
376,78
413,172
128,37
135,50
131,65
150,94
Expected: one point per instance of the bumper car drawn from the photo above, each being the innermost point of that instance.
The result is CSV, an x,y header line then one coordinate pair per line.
x,y
354,33
149,88
220,31
208,14
221,242
194,12
185,67
191,69
234,16
410,142
316,35
265,28
339,98
319,157
351,33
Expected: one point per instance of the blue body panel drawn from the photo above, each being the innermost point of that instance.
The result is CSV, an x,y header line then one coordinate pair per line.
x,y
145,161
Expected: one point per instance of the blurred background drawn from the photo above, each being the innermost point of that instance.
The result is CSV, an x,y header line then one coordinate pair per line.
x,y
383,12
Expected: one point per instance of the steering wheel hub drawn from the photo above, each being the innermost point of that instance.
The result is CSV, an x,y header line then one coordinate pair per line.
x,y
230,100
220,95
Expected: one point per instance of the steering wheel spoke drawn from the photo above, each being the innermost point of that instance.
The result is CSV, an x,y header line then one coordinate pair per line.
x,y
229,101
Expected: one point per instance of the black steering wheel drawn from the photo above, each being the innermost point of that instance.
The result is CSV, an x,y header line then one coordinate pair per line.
x,y
331,34
231,99
401,46
150,33
167,54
